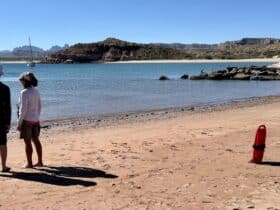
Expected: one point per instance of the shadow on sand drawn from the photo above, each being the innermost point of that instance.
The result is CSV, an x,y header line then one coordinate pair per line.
x,y
270,163
60,175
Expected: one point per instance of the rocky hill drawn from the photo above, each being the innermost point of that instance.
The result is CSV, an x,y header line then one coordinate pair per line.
x,y
117,50
114,50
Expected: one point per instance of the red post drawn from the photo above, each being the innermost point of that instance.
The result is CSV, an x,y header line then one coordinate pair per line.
x,y
259,144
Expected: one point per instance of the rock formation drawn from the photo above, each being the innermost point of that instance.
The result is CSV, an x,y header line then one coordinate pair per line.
x,y
244,73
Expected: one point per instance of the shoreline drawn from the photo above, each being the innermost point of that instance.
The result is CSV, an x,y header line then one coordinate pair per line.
x,y
149,114
253,60
18,62
257,60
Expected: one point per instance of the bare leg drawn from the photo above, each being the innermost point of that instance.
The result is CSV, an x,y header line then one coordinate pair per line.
x,y
28,151
38,147
3,151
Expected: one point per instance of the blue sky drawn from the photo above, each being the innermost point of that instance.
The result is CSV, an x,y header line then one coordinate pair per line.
x,y
51,22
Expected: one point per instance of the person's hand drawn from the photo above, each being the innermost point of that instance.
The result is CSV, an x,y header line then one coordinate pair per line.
x,y
8,128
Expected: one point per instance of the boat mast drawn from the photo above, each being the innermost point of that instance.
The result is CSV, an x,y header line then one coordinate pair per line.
x,y
30,48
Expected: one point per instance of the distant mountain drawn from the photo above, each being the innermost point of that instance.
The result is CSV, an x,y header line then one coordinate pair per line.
x,y
112,49
255,41
180,46
24,51
57,48
6,53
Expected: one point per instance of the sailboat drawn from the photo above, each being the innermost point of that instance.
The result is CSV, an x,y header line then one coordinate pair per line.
x,y
31,63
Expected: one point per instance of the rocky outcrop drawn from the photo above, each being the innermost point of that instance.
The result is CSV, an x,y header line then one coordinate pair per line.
x,y
245,73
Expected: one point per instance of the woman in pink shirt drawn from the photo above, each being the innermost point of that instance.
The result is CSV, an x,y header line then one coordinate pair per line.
x,y
29,117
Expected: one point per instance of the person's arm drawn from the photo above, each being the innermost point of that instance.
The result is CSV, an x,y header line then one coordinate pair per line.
x,y
23,103
40,104
8,110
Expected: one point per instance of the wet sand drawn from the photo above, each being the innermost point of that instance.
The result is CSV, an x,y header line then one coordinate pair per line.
x,y
177,158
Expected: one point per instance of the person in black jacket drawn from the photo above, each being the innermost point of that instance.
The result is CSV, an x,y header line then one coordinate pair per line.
x,y
5,121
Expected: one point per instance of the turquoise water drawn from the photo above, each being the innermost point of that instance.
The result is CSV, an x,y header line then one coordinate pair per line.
x,y
93,89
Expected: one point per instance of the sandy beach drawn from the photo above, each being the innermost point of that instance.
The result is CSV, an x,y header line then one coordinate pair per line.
x,y
178,158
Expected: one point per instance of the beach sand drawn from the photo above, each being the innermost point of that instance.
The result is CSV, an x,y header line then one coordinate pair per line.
x,y
183,158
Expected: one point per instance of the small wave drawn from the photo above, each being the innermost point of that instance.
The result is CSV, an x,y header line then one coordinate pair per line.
x,y
9,79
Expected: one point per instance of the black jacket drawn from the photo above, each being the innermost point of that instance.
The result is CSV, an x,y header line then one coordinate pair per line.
x,y
5,107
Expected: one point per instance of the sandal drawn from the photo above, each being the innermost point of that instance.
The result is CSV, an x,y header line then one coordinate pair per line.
x,y
39,165
27,166
6,169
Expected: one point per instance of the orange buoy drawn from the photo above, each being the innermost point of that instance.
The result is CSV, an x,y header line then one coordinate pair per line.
x,y
259,144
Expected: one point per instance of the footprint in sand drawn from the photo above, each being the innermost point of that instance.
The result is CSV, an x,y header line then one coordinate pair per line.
x,y
146,143
106,166
115,152
124,145
100,159
135,157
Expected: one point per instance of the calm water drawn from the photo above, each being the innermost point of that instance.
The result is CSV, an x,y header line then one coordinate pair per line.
x,y
93,89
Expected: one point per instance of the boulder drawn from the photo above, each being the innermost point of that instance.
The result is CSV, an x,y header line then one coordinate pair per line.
x,y
231,68
233,72
263,73
163,77
271,73
241,76
216,75
255,78
241,70
272,69
197,77
222,71
227,76
185,76
255,72
253,67
266,78
201,76
68,61
247,71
